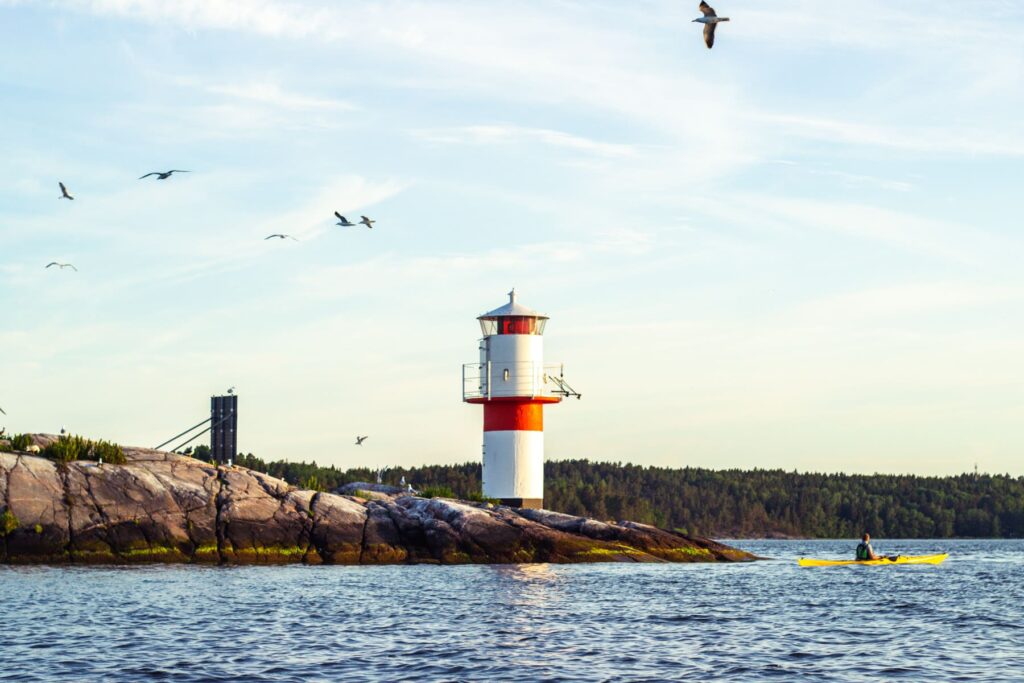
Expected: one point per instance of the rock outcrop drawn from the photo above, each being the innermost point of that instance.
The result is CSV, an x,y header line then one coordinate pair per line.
x,y
163,507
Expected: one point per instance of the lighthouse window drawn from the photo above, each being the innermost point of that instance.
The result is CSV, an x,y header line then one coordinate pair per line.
x,y
516,324
505,374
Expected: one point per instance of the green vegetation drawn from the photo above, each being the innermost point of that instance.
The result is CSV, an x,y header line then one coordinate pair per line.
x,y
17,442
8,522
734,502
477,497
437,492
71,448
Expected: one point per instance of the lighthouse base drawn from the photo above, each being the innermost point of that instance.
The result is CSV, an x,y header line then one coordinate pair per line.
x,y
532,503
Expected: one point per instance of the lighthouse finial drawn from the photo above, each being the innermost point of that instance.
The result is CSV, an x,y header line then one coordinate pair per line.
x,y
512,296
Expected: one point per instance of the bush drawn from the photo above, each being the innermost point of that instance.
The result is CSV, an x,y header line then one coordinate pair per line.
x,y
71,448
436,492
19,442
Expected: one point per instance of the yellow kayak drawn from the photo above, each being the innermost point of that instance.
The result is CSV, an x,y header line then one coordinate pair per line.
x,y
902,559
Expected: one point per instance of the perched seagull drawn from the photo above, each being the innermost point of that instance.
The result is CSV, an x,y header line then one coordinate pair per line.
x,y
367,222
62,430
163,175
231,391
63,192
361,439
279,236
402,483
62,266
709,20
343,222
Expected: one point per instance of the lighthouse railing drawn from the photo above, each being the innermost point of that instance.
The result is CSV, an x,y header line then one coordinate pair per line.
x,y
495,379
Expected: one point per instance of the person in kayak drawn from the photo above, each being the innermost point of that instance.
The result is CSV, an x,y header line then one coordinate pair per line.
x,y
865,552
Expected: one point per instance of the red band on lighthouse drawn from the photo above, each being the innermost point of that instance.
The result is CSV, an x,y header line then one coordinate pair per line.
x,y
514,416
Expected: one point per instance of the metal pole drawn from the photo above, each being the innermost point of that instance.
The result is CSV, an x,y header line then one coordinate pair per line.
x,y
178,436
223,419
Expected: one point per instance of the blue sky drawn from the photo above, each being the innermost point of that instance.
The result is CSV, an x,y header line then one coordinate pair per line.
x,y
800,249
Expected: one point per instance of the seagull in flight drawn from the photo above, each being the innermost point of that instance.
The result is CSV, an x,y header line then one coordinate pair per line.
x,y
63,192
367,222
344,222
279,236
231,391
62,266
710,19
361,439
3,411
163,175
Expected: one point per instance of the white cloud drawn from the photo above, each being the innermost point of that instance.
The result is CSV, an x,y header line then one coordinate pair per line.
x,y
510,134
272,94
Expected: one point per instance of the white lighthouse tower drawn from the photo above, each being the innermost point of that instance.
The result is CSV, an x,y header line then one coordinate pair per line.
x,y
513,384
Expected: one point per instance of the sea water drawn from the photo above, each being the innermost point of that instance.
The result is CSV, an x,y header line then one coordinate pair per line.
x,y
771,620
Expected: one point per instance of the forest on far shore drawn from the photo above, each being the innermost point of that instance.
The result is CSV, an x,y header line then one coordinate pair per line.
x,y
731,503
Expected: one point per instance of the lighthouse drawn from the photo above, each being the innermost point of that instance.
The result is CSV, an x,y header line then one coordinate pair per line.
x,y
513,384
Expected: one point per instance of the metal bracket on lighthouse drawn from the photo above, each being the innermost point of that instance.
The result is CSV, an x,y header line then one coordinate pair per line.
x,y
564,387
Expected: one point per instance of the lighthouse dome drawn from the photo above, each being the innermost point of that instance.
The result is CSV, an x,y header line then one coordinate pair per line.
x,y
512,318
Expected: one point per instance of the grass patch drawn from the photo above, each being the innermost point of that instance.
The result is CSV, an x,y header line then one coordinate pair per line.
x,y
70,448
436,492
481,498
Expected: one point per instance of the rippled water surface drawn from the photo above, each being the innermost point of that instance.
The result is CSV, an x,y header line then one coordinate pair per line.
x,y
963,620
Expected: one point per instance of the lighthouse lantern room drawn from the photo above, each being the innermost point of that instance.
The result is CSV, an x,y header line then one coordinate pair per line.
x,y
513,383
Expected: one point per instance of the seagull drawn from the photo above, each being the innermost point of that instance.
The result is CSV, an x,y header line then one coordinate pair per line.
x,y
709,20
231,391
367,222
402,483
361,439
62,266
163,175
279,236
3,411
344,222
63,192
62,430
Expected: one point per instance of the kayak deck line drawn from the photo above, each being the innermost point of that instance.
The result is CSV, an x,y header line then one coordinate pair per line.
x,y
902,559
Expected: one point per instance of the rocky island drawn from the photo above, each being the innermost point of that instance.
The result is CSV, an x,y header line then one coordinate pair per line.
x,y
164,507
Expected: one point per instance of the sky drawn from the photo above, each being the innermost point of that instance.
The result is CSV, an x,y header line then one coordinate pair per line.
x,y
799,250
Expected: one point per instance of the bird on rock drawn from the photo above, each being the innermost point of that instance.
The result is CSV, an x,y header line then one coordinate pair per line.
x,y
710,20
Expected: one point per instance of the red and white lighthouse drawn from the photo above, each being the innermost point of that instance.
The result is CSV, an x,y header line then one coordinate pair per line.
x,y
513,384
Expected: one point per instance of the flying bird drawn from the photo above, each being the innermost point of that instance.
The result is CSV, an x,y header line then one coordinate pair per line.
x,y
63,192
361,439
342,221
62,266
710,19
231,391
367,222
163,175
3,411
279,236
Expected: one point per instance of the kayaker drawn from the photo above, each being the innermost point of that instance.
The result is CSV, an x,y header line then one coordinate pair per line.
x,y
865,552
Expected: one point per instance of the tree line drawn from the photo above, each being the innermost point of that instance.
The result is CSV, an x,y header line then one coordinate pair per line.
x,y
732,503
